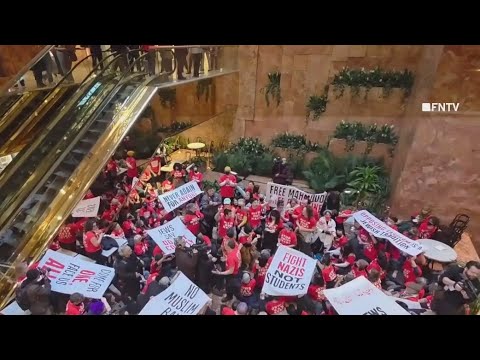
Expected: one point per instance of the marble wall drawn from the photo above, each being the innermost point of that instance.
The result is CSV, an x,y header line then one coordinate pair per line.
x,y
305,71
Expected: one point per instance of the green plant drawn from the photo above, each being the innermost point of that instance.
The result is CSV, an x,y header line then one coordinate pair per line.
x,y
292,141
317,105
371,134
272,89
220,160
211,184
203,88
250,146
168,97
364,180
386,79
175,127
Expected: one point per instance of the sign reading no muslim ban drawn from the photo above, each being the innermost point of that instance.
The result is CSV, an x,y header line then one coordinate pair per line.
x,y
69,275
289,273
284,193
87,208
166,234
381,230
182,297
175,198
361,297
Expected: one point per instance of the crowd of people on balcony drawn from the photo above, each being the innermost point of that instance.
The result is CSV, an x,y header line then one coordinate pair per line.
x,y
239,232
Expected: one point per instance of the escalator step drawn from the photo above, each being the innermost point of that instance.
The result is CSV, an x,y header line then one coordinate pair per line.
x,y
104,120
80,151
62,174
88,140
93,130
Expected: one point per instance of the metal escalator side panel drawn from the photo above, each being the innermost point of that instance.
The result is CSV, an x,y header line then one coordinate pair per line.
x,y
7,101
15,109
29,129
44,226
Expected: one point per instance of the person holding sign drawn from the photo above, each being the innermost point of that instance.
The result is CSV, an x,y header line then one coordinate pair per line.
x,y
92,243
307,228
228,184
232,270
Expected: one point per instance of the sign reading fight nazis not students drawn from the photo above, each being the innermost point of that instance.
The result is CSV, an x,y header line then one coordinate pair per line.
x,y
182,297
69,275
289,273
176,198
282,194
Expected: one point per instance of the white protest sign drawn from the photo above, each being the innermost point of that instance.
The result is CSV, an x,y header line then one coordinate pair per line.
x,y
135,180
381,230
69,275
176,198
361,297
182,297
289,273
165,235
87,208
281,194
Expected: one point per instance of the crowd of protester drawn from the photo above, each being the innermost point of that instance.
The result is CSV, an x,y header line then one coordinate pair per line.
x,y
237,233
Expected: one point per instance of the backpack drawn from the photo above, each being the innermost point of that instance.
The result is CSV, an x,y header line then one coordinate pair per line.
x,y
21,297
108,242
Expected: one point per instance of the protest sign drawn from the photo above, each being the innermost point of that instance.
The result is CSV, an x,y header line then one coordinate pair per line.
x,y
87,208
361,297
381,230
135,180
175,198
289,273
281,194
69,275
182,297
165,235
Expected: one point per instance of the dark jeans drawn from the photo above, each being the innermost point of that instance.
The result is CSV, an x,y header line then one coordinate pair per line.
x,y
71,247
151,59
181,63
233,283
197,58
97,58
97,256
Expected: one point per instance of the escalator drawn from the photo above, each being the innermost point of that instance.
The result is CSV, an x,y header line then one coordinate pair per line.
x,y
7,101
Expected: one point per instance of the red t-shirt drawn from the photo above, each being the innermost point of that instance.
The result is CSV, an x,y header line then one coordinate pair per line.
x,y
244,239
223,225
369,251
375,265
108,214
192,222
87,242
73,309
357,273
155,164
198,177
340,242
409,273
67,234
227,191
228,311
157,251
255,218
131,173
112,166
247,289
239,215
140,248
287,237
307,223
274,227
298,211
207,240
262,272
329,274
316,292
145,212
351,259
167,185
274,307
178,174
424,232
233,260
127,225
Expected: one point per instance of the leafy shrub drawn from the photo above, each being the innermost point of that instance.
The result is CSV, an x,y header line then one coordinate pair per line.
x,y
293,141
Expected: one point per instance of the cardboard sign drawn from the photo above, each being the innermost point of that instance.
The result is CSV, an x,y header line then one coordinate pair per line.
x,y
381,230
69,275
279,195
182,297
176,198
289,273
87,208
361,297
165,235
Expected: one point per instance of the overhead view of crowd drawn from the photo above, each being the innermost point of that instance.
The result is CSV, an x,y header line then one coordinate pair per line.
x,y
238,231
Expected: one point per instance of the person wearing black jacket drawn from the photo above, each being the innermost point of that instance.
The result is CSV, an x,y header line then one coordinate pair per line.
x,y
35,292
181,57
126,267
186,259
282,174
121,62
97,55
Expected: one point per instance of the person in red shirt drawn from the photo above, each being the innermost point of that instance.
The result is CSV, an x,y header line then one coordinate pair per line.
x,y
241,214
428,228
145,212
151,191
315,293
155,165
228,184
109,214
167,185
67,236
132,170
134,199
261,267
380,264
411,271
247,290
232,266
75,306
226,221
360,268
248,239
328,272
117,231
374,277
287,216
88,195
287,237
275,307
196,176
202,238
298,210
255,215
111,170
128,226
140,247
272,228
307,227
92,242
178,174
192,218
225,310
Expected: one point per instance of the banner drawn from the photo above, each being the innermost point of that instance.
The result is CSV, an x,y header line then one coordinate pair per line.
x,y
381,230
289,273
69,275
87,208
165,235
176,198
135,180
182,297
279,195
361,297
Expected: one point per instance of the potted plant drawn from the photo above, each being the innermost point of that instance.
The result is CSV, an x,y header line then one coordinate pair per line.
x,y
317,105
272,89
